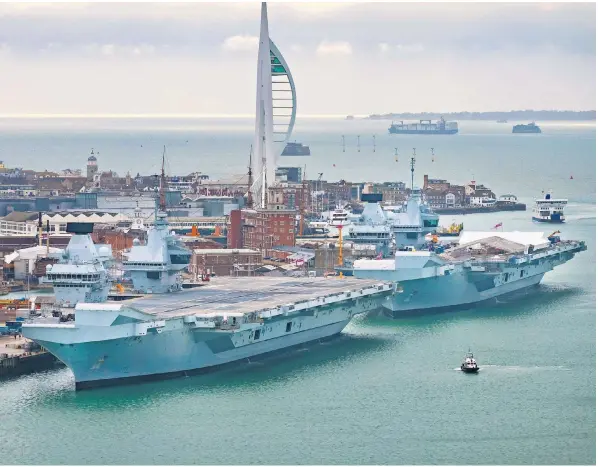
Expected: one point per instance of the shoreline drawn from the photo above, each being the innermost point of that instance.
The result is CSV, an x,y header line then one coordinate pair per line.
x,y
481,209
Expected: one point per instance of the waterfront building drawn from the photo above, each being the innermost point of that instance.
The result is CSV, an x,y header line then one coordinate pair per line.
x,y
261,229
289,174
225,262
24,260
482,197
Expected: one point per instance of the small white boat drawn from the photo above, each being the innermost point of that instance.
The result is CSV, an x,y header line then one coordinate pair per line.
x,y
469,365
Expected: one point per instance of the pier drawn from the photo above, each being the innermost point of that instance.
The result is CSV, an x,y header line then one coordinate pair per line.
x,y
20,356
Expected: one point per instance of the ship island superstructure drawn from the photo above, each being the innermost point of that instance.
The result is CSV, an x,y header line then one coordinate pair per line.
x,y
155,266
81,273
406,228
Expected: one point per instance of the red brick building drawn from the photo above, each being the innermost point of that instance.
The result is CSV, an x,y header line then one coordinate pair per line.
x,y
261,229
234,230
225,262
119,239
288,196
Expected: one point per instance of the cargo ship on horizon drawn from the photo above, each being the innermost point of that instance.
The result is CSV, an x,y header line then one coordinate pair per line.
x,y
424,127
529,128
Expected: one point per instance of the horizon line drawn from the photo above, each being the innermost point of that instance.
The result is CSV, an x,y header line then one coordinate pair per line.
x,y
151,115
223,116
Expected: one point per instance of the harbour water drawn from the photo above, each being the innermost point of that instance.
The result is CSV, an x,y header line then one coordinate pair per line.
x,y
386,391
483,151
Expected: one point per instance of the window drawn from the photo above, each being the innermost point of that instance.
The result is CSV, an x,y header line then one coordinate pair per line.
x,y
506,276
521,273
256,334
289,326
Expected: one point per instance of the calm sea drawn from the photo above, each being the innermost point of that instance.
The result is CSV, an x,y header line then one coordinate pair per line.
x,y
386,391
486,152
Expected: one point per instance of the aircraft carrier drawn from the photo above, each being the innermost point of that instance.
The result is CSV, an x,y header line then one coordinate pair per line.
x,y
197,330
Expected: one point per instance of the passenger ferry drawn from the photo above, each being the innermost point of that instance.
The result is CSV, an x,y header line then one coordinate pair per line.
x,y
549,209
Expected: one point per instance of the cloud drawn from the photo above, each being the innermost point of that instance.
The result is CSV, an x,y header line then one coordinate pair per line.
x,y
312,9
241,43
107,49
65,41
410,48
383,47
334,48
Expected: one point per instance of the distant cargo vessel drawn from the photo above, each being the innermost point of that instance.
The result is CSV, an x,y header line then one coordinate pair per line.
x,y
296,149
529,128
424,127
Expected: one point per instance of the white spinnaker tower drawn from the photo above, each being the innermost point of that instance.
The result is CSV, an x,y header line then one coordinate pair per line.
x,y
275,112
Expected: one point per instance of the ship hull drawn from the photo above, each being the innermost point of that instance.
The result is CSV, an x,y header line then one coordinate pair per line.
x,y
105,347
423,132
549,220
452,293
169,354
426,284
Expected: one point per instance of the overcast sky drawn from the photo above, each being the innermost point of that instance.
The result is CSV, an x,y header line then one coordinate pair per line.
x,y
346,58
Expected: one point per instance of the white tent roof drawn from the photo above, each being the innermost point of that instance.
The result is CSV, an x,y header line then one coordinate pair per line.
x,y
536,239
30,253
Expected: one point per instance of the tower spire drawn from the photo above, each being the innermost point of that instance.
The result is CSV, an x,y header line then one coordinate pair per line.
x,y
264,120
412,168
163,184
250,181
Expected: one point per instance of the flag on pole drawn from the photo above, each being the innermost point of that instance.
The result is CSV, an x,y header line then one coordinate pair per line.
x,y
497,226
379,256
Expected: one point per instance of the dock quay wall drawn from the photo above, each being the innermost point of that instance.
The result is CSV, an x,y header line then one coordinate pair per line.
x,y
17,365
481,209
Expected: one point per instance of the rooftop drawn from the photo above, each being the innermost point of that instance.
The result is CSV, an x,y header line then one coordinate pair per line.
x,y
225,251
17,216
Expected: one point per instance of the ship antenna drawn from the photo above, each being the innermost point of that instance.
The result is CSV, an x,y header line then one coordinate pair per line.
x,y
163,184
249,180
412,168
